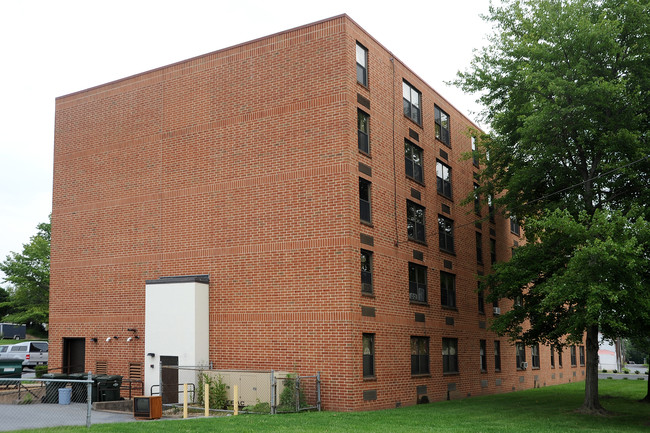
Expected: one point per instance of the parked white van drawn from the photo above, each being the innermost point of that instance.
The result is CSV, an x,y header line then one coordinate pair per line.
x,y
31,352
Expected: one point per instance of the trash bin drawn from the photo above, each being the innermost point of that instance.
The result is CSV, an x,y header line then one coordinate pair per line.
x,y
108,387
10,368
64,395
79,389
52,388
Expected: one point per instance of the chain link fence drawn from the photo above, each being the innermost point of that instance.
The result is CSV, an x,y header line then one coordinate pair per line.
x,y
236,391
38,403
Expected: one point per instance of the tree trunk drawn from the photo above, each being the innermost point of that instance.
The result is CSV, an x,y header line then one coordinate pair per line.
x,y
591,403
646,399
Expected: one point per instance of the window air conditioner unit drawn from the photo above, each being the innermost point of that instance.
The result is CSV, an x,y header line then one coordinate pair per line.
x,y
496,311
524,365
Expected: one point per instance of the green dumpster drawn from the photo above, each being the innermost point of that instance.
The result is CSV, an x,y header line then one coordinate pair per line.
x,y
52,388
80,389
10,368
108,387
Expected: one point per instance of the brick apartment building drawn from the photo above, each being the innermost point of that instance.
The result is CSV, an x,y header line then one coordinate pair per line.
x,y
309,184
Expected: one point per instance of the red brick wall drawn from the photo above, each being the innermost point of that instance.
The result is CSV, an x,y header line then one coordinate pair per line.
x,y
243,164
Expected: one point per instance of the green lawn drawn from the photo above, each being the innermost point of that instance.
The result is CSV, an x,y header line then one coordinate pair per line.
x,y
550,409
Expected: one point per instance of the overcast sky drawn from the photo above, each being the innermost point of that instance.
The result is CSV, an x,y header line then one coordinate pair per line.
x,y
52,48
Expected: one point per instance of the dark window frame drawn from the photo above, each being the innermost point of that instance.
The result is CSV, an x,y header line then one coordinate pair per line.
x,y
365,200
447,289
477,200
443,184
412,110
446,234
552,357
366,272
483,355
450,355
479,248
520,354
363,131
362,69
415,226
368,344
474,151
413,168
534,356
573,356
481,299
559,356
418,290
420,356
497,355
443,134
514,225
493,251
581,353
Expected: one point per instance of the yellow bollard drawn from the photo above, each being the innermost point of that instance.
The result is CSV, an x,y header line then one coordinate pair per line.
x,y
206,395
235,400
185,400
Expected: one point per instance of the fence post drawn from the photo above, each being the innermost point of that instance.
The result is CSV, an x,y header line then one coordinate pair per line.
x,y
235,400
318,390
297,393
206,398
185,400
89,398
273,392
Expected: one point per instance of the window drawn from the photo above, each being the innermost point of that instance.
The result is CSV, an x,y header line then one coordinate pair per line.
x,y
362,64
448,289
552,357
366,271
559,357
573,356
450,355
364,200
481,299
479,248
534,355
417,283
442,125
363,125
368,355
493,251
582,355
477,200
412,99
490,207
497,355
413,161
474,151
520,350
446,232
419,355
483,355
514,225
443,174
415,221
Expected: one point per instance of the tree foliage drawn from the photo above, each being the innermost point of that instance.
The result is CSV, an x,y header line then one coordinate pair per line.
x,y
29,276
566,84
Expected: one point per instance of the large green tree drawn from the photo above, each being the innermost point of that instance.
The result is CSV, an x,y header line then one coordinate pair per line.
x,y
29,276
566,84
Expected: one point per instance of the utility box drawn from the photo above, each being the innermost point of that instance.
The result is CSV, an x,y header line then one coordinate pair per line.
x,y
13,331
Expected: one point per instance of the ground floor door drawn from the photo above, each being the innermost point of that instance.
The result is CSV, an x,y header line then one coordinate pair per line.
x,y
74,355
169,379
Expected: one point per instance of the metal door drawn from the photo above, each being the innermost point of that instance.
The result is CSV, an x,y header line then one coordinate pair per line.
x,y
169,379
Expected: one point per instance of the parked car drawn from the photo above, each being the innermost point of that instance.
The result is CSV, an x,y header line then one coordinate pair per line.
x,y
32,353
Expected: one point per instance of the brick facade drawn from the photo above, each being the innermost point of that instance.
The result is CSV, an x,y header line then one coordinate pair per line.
x,y
244,164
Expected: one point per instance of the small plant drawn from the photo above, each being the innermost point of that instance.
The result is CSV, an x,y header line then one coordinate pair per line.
x,y
288,395
625,378
40,370
259,407
610,377
217,391
626,370
26,400
604,370
614,371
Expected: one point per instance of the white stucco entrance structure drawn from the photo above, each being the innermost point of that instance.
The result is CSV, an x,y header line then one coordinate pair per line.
x,y
176,327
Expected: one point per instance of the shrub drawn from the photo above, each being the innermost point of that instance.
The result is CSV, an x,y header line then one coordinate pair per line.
x,y
626,370
610,377
614,371
259,407
40,370
216,389
288,395
637,372
604,370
